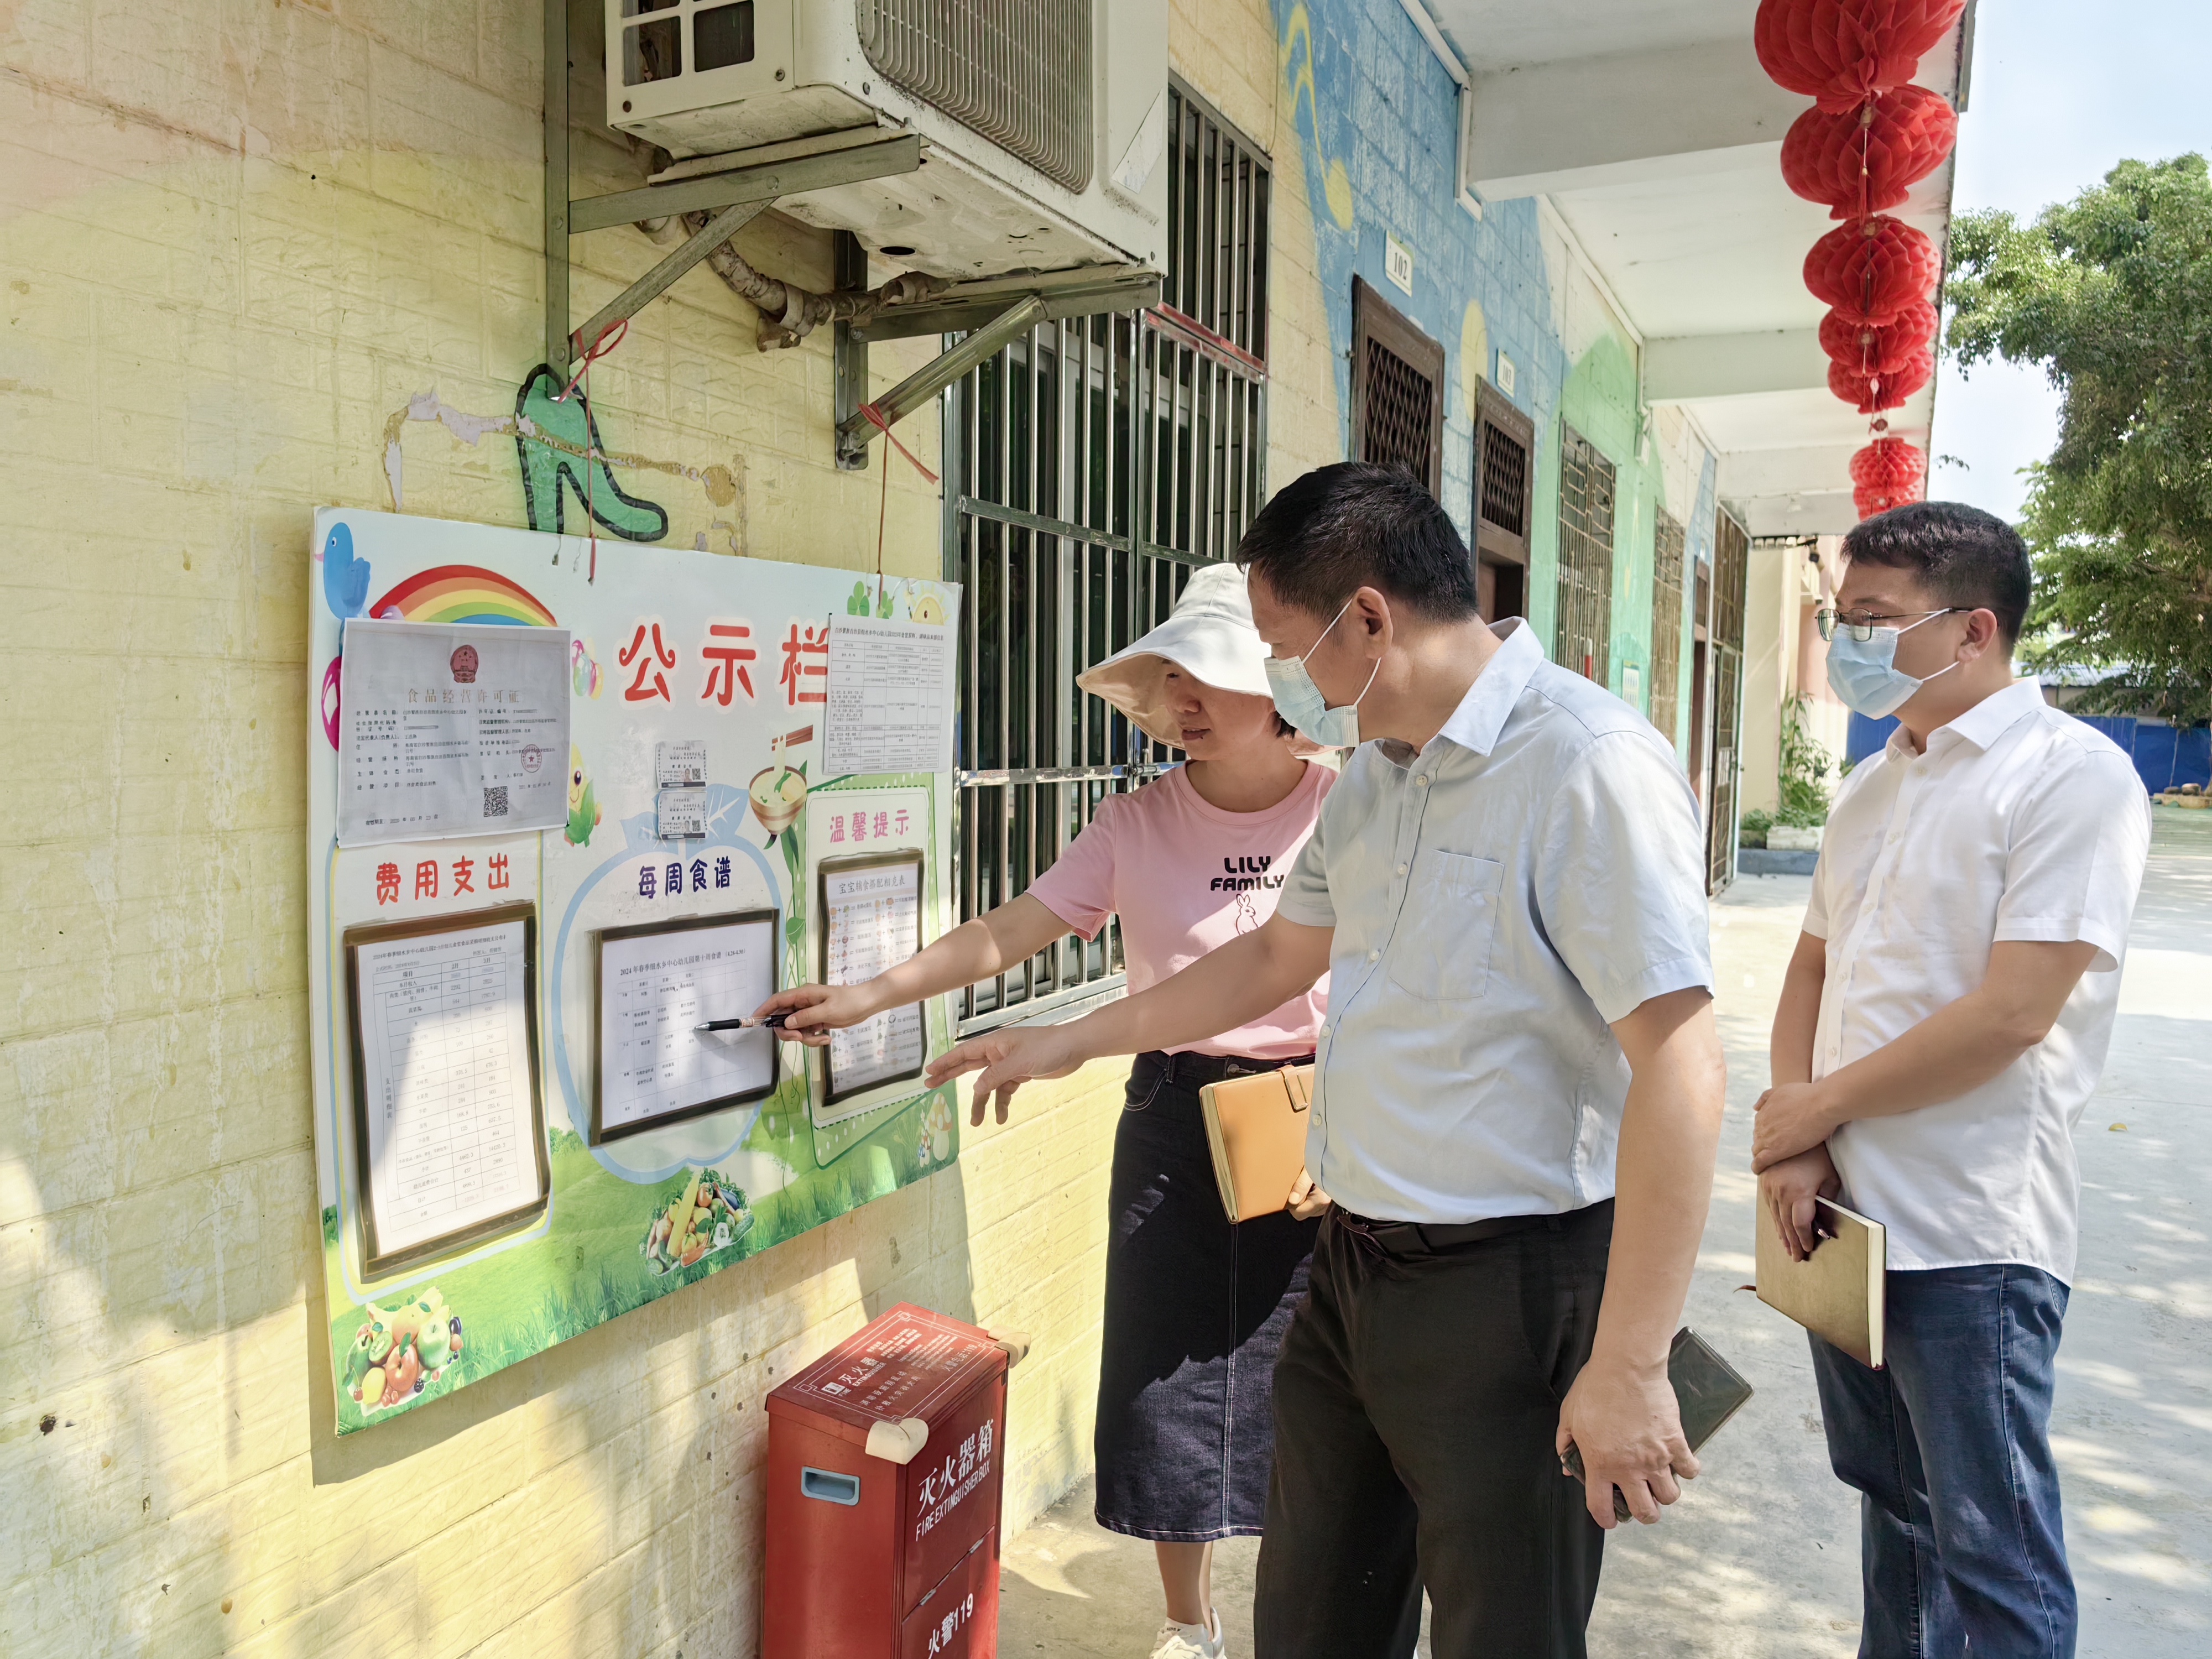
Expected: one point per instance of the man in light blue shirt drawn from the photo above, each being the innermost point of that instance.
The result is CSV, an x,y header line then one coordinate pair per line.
x,y
1519,1067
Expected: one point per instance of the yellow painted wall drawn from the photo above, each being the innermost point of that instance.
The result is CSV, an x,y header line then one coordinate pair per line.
x,y
1227,50
251,251
1784,659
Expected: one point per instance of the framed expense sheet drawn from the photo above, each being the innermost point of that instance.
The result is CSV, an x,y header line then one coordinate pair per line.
x,y
871,920
449,1137
656,983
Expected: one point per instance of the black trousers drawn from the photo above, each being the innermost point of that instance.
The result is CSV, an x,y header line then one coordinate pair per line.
x,y
1416,1407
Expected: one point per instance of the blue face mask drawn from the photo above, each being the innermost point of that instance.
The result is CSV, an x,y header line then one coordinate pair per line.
x,y
1862,673
1299,701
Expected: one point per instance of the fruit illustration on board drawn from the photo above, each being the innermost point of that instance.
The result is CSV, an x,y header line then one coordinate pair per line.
x,y
583,805
927,608
401,1350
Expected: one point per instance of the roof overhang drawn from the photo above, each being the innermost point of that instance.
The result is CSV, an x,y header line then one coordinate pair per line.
x,y
1659,149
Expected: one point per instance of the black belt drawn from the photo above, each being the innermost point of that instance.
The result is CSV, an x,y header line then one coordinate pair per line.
x,y
1195,1070
1411,1240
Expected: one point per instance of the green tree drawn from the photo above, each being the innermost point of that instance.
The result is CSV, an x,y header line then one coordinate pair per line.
x,y
2111,294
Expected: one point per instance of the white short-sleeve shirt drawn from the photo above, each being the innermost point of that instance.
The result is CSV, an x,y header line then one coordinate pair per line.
x,y
2019,823
1533,873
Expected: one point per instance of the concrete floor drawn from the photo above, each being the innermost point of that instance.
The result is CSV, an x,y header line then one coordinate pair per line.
x,y
1761,1559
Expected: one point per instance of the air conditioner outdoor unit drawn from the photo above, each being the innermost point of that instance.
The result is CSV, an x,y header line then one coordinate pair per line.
x,y
1042,128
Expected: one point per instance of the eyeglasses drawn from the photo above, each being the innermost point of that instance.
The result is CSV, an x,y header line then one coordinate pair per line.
x,y
1861,624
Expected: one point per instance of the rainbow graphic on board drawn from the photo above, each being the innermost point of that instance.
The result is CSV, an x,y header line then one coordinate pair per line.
x,y
461,593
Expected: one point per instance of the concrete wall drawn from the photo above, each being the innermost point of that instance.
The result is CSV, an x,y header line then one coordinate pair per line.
x,y
253,260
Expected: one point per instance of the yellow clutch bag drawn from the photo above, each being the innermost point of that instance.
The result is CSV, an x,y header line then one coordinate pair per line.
x,y
1256,1127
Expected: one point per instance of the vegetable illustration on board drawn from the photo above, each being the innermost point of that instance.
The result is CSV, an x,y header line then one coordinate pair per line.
x,y
706,1213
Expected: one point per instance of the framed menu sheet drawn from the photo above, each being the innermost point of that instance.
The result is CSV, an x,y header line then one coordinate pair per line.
x,y
871,920
656,983
449,1141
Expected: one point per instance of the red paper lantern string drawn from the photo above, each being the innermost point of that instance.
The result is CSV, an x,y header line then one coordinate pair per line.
x,y
1878,348
1871,393
1867,159
1871,502
1871,269
1890,467
1841,52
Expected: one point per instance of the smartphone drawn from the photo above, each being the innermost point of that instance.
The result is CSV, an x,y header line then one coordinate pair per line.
x,y
1708,1391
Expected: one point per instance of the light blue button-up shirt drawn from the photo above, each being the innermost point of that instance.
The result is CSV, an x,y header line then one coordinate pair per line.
x,y
1533,873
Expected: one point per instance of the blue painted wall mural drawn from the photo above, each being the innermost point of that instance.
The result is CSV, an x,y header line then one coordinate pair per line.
x,y
1377,118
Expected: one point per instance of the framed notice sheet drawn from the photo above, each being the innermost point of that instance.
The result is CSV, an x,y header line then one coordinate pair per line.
x,y
871,920
449,1139
656,984
450,729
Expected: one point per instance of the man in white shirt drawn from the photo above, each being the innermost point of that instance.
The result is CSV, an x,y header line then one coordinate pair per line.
x,y
1519,1090
1942,1024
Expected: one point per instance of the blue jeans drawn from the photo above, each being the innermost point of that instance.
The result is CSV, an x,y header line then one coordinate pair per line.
x,y
1962,1547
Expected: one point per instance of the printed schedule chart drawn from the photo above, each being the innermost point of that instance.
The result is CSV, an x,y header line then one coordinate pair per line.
x,y
443,1030
871,921
657,984
890,696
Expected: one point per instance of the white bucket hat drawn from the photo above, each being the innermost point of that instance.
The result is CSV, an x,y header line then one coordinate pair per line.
x,y
1209,636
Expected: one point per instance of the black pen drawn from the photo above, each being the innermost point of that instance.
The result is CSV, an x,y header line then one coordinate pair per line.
x,y
772,1022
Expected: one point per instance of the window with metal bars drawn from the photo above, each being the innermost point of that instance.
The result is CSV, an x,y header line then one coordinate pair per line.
x,y
1502,484
1731,572
1666,626
1088,466
1397,389
1504,451
1582,629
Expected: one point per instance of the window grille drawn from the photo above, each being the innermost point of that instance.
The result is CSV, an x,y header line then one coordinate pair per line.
x,y
1502,492
1504,449
1666,627
1582,630
1504,439
1731,569
1397,389
1088,466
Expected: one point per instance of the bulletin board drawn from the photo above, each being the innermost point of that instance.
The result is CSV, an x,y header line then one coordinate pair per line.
x,y
698,818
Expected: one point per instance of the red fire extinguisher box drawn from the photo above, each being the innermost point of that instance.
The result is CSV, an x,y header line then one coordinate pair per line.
x,y
883,1462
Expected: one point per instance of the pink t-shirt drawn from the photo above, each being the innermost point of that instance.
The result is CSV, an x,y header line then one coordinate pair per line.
x,y
1187,876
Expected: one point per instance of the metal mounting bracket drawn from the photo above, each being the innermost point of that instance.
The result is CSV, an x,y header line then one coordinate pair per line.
x,y
734,196
990,312
849,354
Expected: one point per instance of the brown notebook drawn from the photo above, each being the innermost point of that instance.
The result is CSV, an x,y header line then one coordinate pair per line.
x,y
1837,1291
1256,1127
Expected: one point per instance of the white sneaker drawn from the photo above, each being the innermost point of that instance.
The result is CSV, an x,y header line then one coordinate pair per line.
x,y
1190,1641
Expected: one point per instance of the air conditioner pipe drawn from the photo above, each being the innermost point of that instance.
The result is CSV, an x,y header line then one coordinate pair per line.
x,y
788,312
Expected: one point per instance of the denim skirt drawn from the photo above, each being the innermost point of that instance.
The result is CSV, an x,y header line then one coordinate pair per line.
x,y
1196,1308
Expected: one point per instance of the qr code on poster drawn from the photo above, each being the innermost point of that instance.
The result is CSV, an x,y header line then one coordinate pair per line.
x,y
496,802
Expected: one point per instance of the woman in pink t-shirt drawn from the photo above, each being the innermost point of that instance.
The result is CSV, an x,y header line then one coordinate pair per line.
x,y
1195,1308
